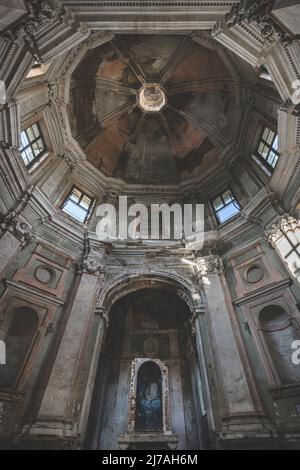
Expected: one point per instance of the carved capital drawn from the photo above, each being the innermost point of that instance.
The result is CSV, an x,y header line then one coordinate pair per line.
x,y
18,228
196,312
13,223
91,266
280,228
22,231
102,312
209,265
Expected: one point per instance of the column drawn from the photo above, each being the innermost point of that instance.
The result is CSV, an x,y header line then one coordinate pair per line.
x,y
236,393
65,407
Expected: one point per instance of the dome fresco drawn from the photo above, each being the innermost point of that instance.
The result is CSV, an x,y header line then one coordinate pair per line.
x,y
164,145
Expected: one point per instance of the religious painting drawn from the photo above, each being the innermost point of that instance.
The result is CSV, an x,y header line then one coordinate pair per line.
x,y
149,398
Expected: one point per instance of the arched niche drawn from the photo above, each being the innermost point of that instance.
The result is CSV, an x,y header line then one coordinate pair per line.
x,y
124,284
279,332
148,407
150,325
18,330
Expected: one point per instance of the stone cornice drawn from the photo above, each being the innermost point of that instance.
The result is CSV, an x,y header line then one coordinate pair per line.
x,y
260,13
25,30
85,5
57,109
64,145
150,16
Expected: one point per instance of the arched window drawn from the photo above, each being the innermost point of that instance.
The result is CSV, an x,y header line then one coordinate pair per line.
x,y
279,333
19,329
149,415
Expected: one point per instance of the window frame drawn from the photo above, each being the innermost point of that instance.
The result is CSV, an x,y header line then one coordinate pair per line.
x,y
235,201
270,147
83,194
30,164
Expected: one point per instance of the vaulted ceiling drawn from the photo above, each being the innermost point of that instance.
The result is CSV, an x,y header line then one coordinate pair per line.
x,y
122,138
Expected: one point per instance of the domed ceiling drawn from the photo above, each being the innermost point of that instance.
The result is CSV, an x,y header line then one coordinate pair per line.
x,y
152,109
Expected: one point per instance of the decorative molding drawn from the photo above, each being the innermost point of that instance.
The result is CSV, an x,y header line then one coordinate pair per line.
x,y
92,258
39,14
259,12
159,4
121,283
280,228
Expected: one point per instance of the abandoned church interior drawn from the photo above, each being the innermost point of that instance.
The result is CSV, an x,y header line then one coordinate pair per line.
x,y
129,344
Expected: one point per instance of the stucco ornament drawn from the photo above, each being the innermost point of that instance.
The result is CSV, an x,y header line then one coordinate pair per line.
x,y
259,12
91,266
208,265
281,227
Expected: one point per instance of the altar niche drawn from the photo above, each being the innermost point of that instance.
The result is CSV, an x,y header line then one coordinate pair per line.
x,y
148,387
149,403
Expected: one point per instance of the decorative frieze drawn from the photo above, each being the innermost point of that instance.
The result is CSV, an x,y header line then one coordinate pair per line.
x,y
24,31
39,13
259,12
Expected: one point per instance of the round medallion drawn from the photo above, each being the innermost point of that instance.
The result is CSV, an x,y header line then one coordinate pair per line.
x,y
254,274
44,274
151,98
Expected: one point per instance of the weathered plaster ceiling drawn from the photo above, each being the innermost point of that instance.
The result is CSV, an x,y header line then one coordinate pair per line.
x,y
121,138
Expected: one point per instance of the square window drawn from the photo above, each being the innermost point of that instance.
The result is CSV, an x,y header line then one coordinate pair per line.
x,y
32,144
227,197
218,203
76,195
24,139
270,137
85,202
267,150
261,148
78,205
225,206
265,134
